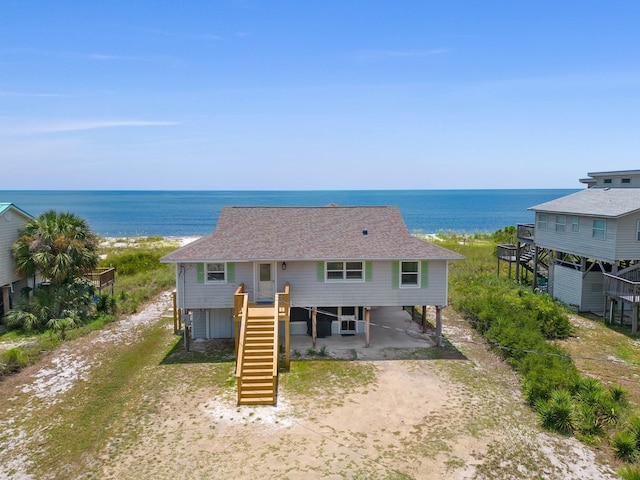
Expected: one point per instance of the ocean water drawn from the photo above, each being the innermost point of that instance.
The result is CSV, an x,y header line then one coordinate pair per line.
x,y
192,213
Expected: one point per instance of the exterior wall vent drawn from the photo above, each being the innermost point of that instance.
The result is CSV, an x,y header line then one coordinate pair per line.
x,y
365,232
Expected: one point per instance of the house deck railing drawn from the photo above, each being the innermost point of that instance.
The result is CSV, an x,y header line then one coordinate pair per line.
x,y
102,277
621,288
526,232
507,252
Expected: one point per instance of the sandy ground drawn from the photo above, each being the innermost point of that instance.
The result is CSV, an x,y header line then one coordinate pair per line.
x,y
461,417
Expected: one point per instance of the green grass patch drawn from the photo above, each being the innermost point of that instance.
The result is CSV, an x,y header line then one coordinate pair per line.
x,y
325,377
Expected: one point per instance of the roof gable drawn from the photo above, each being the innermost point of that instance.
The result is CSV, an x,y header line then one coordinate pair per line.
x,y
309,233
5,207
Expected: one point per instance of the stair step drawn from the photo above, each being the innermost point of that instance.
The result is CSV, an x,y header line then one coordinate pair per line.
x,y
258,401
258,394
257,371
257,387
259,378
258,358
259,352
258,339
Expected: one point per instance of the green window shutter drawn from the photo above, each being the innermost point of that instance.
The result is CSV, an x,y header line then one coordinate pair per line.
x,y
320,271
368,271
201,273
395,275
424,274
231,272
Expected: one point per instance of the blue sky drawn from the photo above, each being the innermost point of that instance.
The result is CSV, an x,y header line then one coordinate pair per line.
x,y
229,95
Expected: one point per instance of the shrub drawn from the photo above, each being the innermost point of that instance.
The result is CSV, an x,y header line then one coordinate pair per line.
x,y
556,413
546,371
624,446
634,428
13,359
629,473
128,263
588,422
619,395
106,303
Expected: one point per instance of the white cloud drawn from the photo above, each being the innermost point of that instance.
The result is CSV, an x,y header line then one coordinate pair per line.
x,y
84,125
32,94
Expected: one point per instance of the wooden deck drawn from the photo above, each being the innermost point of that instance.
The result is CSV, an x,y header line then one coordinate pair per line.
x,y
102,278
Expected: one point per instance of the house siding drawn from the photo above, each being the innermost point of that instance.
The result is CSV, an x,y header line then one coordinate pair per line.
x,y
567,285
9,228
627,245
592,292
581,242
308,291
579,290
212,323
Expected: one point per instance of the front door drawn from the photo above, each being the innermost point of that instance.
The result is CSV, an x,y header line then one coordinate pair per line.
x,y
266,283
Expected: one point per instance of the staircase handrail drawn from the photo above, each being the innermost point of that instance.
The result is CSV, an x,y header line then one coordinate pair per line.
x,y
276,334
243,333
623,273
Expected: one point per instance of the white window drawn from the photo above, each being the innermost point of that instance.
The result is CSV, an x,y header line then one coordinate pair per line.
x,y
638,231
575,224
561,222
542,221
346,271
215,272
410,274
599,229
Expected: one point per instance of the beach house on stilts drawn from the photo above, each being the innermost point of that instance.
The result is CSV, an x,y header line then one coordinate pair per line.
x,y
266,273
584,248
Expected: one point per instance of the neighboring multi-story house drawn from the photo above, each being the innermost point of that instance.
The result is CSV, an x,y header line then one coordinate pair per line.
x,y
585,247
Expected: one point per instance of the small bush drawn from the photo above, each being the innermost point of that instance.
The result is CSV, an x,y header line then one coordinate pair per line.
x,y
619,395
634,428
128,263
556,413
624,446
589,424
629,473
106,303
13,360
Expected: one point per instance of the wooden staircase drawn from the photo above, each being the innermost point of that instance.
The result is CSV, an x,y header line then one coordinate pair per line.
x,y
258,369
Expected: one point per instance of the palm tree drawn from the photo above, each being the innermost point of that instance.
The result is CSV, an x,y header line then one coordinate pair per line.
x,y
59,246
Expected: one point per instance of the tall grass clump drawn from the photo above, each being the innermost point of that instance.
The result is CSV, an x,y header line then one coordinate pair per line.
x,y
629,473
139,274
13,360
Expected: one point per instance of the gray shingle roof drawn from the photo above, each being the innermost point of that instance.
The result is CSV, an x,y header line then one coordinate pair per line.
x,y
596,202
309,233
